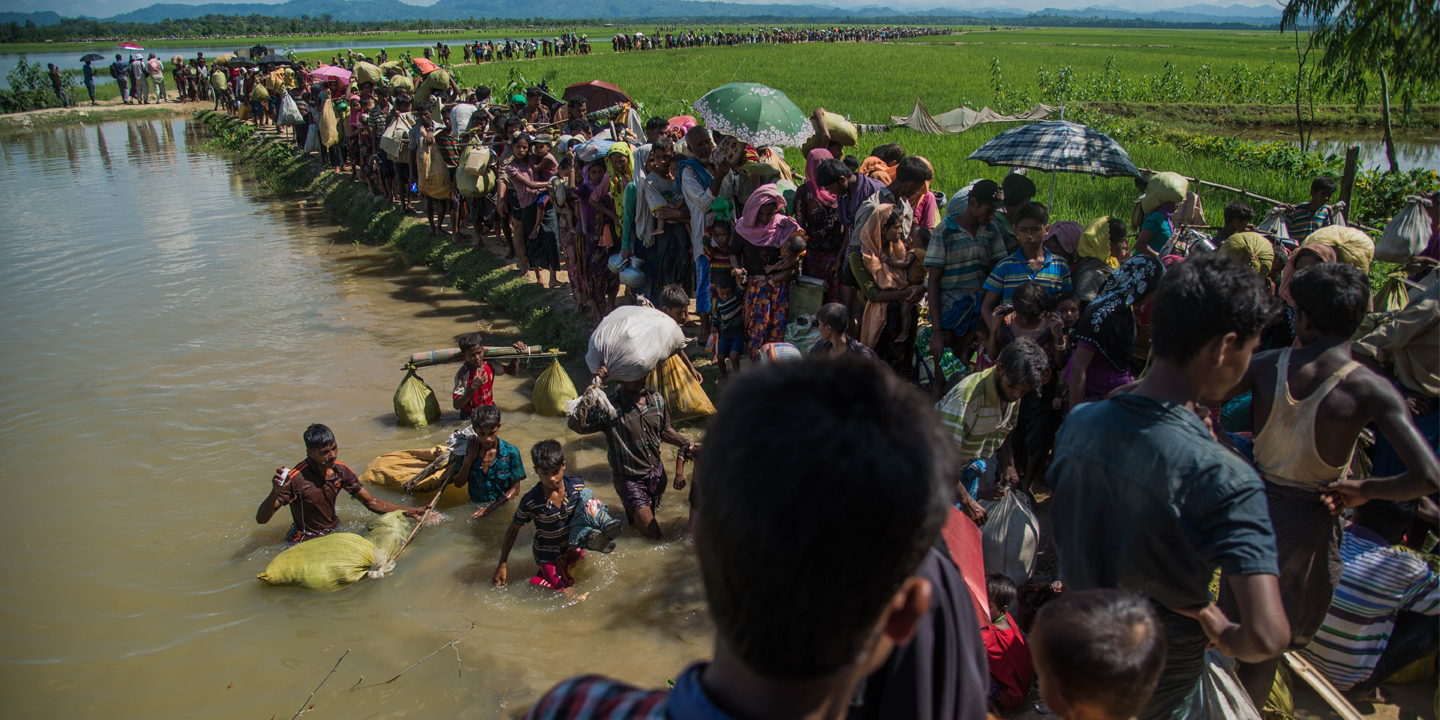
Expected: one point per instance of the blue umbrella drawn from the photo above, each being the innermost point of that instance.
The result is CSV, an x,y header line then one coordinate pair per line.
x,y
1058,147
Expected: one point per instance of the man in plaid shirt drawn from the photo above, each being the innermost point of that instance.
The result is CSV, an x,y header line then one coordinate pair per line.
x,y
1305,219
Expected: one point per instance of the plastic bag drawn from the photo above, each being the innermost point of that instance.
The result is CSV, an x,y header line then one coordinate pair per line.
x,y
1012,536
435,81
323,563
779,352
592,527
1352,246
434,177
289,111
401,81
553,390
312,139
803,333
1221,696
1394,293
592,149
631,341
1190,212
1162,188
1274,226
684,397
480,182
415,403
1406,233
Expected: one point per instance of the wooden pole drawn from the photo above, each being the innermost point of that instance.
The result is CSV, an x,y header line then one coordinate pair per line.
x,y
1347,184
1246,193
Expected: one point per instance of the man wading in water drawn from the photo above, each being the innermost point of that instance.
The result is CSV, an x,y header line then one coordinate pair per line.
x,y
632,445
311,487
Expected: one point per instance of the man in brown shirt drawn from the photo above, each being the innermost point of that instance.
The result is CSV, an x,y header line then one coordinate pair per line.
x,y
312,486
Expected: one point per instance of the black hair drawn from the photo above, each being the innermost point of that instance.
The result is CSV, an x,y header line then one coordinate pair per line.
x,y
1204,298
1031,211
656,124
852,162
486,418
785,427
1324,183
1023,362
566,161
1000,590
1018,189
533,91
1388,518
722,225
424,106
795,244
831,171
890,153
664,143
577,126
1334,296
318,436
1118,230
547,455
673,296
893,219
401,99
834,316
483,93
723,281
470,341
1060,297
1105,647
1030,299
914,169
1238,210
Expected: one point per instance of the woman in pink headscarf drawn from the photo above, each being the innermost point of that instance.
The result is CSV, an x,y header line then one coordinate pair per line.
x,y
817,211
759,240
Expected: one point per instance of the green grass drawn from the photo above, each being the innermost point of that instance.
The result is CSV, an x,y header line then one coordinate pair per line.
x,y
1244,41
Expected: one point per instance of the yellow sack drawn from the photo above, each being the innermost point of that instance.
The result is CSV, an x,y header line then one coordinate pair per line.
x,y
415,403
323,563
841,130
1281,703
1164,187
683,396
388,532
401,81
475,159
329,134
1251,249
1394,293
436,80
434,176
217,81
397,468
364,72
259,93
1352,245
553,389
244,113
480,182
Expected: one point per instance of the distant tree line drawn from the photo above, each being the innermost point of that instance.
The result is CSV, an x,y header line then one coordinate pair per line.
x,y
252,25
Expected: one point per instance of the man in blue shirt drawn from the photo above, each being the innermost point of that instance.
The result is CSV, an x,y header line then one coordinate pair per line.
x,y
1146,498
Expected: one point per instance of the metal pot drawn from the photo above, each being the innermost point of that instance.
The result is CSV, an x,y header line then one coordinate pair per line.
x,y
617,264
632,277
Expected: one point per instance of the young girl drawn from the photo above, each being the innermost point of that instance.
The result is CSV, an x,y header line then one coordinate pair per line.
x,y
717,250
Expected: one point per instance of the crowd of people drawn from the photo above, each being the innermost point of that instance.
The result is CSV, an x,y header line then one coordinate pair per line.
x,y
1194,405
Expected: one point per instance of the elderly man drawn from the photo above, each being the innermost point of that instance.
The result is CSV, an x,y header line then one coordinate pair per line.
x,y
981,411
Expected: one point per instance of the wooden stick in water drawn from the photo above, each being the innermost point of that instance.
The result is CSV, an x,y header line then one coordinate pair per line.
x,y
428,509
301,711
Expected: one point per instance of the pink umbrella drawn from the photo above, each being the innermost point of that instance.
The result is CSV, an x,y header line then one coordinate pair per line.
x,y
129,46
330,72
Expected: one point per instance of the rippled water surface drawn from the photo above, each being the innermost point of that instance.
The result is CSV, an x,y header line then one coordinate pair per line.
x,y
167,334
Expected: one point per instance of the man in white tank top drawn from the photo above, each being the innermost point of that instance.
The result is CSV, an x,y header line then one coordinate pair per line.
x,y
1310,404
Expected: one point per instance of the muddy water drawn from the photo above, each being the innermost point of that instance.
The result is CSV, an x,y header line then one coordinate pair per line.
x,y
167,336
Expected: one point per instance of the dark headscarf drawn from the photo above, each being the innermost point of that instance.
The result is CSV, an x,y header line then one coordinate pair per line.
x,y
1108,322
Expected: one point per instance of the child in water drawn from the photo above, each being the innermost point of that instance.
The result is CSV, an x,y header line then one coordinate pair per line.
x,y
555,504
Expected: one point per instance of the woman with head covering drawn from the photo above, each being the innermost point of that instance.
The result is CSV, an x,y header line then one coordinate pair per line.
x,y
756,243
660,235
1100,249
1064,240
875,250
817,211
1105,336
597,225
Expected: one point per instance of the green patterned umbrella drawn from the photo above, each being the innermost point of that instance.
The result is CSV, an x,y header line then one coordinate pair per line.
x,y
754,113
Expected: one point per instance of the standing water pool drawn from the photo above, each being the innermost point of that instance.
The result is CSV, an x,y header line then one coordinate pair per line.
x,y
168,334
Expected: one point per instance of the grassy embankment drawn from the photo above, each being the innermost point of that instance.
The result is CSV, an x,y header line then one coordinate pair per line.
x,y
473,271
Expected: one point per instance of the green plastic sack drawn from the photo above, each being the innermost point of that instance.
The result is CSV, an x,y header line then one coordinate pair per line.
x,y
1394,293
323,563
364,72
1251,249
388,532
841,130
553,389
415,403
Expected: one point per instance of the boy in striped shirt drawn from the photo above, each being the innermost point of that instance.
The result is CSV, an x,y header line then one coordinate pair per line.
x,y
1383,615
1031,263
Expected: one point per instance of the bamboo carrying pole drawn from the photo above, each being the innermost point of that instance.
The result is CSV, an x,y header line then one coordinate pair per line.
x,y
1322,687
1246,193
